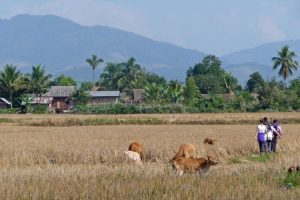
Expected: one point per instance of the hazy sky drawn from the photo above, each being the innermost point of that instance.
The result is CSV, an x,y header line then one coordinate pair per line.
x,y
211,26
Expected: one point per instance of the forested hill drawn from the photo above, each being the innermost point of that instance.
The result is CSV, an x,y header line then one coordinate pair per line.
x,y
63,46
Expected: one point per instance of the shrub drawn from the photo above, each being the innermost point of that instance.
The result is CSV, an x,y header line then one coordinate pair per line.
x,y
9,111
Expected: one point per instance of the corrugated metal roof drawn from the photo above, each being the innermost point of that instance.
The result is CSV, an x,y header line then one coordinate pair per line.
x,y
60,91
41,100
5,101
104,93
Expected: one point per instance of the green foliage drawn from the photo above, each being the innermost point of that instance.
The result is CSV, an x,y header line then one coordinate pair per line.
x,y
155,93
231,83
291,180
286,61
235,160
211,103
109,77
128,109
255,82
244,102
63,80
211,78
86,86
261,158
191,92
39,109
273,97
94,61
26,99
38,81
10,81
130,73
9,111
80,97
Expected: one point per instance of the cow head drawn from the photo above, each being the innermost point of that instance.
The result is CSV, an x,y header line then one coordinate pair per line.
x,y
210,160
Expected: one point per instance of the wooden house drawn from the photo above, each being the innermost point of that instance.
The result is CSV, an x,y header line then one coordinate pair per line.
x,y
4,103
61,98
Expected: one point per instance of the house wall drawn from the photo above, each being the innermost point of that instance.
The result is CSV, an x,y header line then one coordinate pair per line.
x,y
3,105
103,100
60,103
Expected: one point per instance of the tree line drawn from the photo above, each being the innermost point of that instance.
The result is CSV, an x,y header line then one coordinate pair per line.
x,y
204,88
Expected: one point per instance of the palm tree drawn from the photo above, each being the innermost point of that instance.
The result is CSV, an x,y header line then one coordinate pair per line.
x,y
94,62
109,77
9,80
286,62
130,73
230,82
38,80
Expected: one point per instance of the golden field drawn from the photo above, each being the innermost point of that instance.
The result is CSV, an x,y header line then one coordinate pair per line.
x,y
87,162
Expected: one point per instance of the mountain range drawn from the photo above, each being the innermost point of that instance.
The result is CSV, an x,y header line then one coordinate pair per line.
x,y
62,46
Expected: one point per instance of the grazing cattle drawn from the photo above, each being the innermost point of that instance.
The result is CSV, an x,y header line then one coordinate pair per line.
x,y
137,147
133,156
200,165
186,151
209,141
298,168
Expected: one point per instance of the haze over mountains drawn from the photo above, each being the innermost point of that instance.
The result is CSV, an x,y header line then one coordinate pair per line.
x,y
63,46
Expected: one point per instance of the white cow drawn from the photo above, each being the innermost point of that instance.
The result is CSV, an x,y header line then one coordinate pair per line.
x,y
133,156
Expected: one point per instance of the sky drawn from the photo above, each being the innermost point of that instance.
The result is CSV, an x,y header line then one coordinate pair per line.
x,y
211,26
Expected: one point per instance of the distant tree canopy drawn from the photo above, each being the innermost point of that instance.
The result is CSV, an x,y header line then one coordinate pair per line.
x,y
255,82
210,78
38,80
206,87
63,80
126,76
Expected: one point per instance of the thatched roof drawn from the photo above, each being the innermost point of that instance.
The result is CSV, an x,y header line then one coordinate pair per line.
x,y
60,91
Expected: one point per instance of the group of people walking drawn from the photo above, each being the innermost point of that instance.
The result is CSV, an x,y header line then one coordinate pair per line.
x,y
268,135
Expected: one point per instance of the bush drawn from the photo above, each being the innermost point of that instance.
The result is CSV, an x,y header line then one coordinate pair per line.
x,y
9,111
129,109
40,109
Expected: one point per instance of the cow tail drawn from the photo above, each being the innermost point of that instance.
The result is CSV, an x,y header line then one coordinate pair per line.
x,y
142,156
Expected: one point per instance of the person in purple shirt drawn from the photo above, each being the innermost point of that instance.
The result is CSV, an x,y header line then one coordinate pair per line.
x,y
261,132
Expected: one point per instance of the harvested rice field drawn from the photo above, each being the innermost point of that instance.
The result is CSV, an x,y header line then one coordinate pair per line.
x,y
69,157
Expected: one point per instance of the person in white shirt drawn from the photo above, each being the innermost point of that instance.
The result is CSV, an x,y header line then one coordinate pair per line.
x,y
261,134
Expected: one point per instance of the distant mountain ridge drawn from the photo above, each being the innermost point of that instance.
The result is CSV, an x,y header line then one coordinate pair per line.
x,y
63,46
242,63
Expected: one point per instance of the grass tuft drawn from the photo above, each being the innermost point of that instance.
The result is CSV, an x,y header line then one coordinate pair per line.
x,y
290,180
261,158
5,120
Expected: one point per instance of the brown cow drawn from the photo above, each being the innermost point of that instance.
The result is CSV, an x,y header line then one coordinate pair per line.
x,y
137,147
209,141
186,151
200,165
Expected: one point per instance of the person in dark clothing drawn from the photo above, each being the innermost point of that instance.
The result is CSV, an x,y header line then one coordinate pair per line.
x,y
277,133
